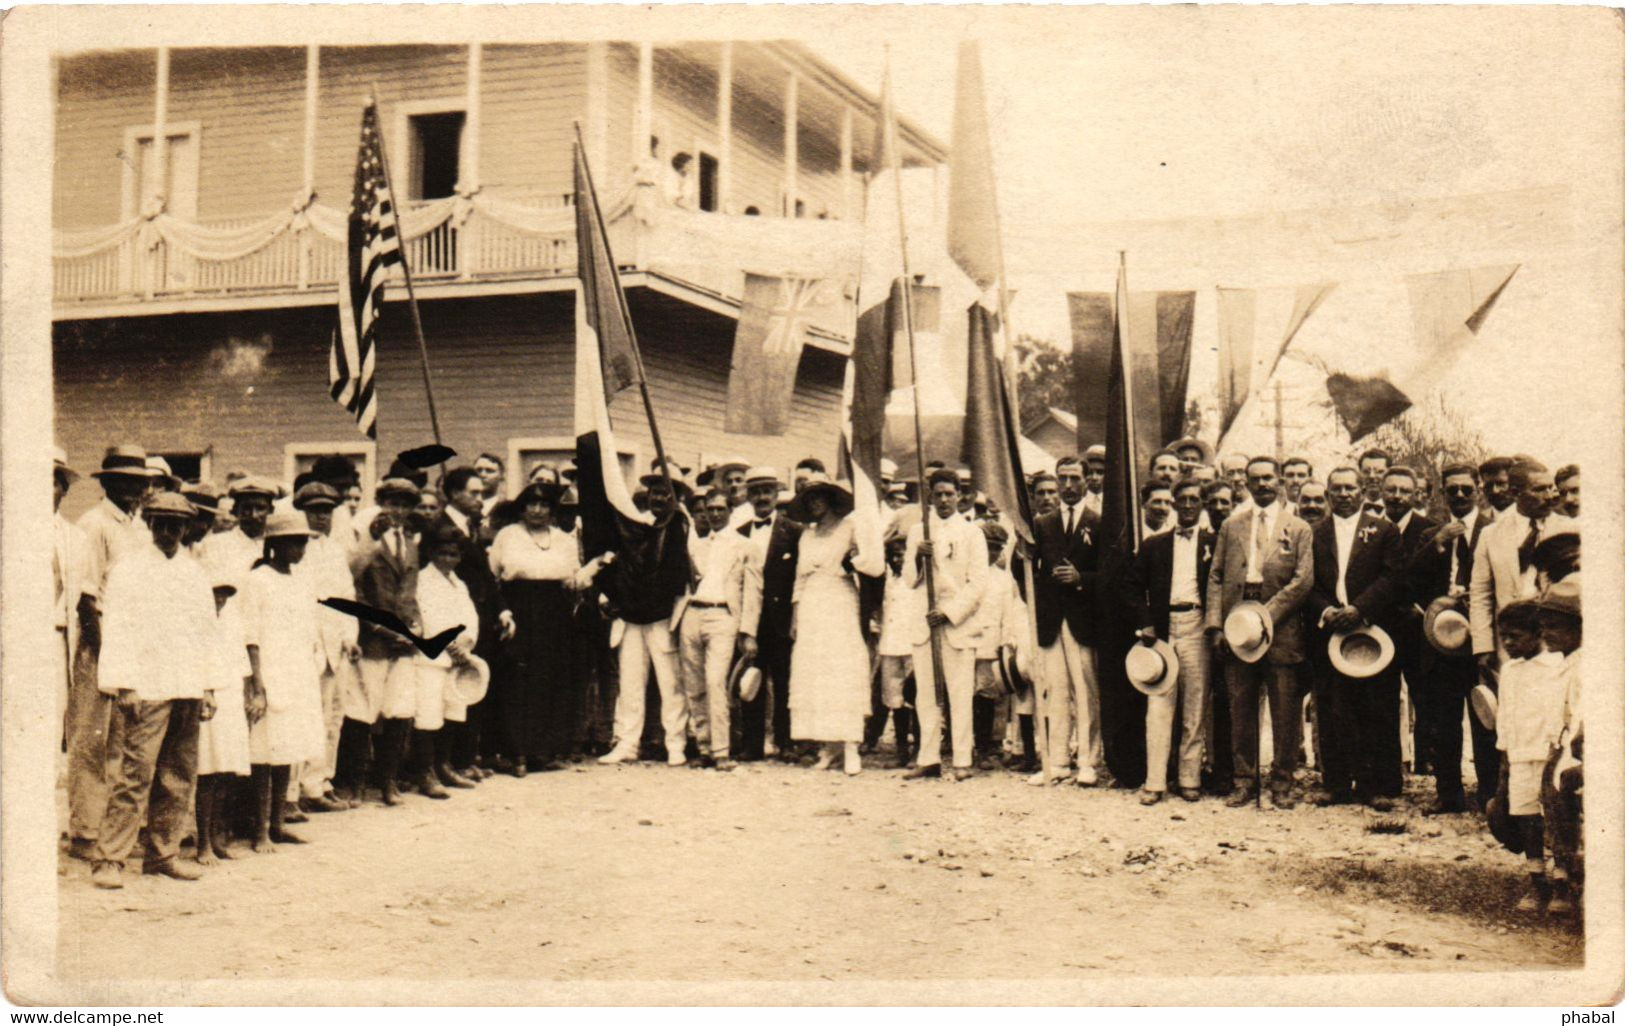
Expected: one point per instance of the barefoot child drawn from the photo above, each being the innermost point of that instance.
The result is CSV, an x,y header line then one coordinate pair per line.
x,y
279,630
223,738
1528,720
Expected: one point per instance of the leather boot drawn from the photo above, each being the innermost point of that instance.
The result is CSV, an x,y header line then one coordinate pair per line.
x,y
423,765
392,742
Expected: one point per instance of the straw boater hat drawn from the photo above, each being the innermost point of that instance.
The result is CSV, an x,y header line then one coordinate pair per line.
x,y
763,475
168,504
746,677
316,494
59,462
1153,669
1095,452
1445,624
1485,706
1014,679
124,461
836,493
1562,597
399,487
888,469
1361,653
469,681
289,524
159,468
1249,630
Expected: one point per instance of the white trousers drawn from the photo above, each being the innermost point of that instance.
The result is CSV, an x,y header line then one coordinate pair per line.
x,y
1071,688
706,644
1188,695
316,778
642,644
959,673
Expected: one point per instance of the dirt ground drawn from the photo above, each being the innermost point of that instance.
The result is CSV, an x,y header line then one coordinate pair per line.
x,y
783,873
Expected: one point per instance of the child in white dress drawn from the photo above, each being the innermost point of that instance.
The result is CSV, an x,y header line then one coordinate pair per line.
x,y
279,630
222,749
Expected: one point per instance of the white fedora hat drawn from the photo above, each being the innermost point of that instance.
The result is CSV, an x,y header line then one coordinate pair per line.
x,y
469,681
1153,669
747,677
1362,652
1248,630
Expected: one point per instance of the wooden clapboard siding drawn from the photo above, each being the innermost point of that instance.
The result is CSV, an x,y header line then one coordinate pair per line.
x,y
758,152
623,152
685,108
403,74
250,106
245,384
530,95
98,97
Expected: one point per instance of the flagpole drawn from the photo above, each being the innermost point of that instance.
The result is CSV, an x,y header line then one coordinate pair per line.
x,y
1128,399
939,680
1013,399
626,314
406,272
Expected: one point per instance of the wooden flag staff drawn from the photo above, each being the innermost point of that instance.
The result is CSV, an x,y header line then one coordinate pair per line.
x,y
406,273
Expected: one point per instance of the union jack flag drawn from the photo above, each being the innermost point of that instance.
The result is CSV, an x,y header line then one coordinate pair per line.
x,y
374,246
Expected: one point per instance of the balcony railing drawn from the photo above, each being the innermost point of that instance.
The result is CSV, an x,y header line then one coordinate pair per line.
x,y
459,239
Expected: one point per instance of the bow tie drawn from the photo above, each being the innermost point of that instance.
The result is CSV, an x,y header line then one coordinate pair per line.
x,y
1186,532
765,522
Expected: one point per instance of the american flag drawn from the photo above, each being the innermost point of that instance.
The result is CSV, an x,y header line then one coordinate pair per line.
x,y
374,247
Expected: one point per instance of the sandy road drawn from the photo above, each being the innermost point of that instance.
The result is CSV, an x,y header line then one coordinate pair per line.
x,y
780,873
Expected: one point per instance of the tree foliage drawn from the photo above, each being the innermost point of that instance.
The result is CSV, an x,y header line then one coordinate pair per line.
x,y
1047,377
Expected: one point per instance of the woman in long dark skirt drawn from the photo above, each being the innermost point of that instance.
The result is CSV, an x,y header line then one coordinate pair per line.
x,y
537,565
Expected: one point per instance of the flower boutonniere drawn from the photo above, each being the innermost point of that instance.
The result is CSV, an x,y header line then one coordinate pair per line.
x,y
1207,552
1367,532
1286,542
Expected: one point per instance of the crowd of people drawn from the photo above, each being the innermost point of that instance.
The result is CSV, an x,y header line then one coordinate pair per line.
x,y
235,660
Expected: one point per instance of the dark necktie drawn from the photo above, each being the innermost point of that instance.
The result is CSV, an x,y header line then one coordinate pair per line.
x,y
474,526
1070,511
1187,532
1526,551
1464,562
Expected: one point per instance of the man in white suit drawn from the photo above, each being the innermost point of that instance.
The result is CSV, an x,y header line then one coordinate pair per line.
x,y
958,551
1503,562
720,612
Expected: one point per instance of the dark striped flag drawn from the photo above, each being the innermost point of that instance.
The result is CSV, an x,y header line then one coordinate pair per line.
x,y
373,247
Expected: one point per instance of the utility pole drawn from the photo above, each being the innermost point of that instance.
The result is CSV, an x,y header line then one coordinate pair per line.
x,y
1280,423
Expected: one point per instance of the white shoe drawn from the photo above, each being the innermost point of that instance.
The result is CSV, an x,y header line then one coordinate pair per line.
x,y
618,754
677,759
1087,779
854,761
769,749
826,759
1042,779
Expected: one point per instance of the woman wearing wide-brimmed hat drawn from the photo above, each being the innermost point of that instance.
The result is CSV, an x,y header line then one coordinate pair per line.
x,y
829,666
536,564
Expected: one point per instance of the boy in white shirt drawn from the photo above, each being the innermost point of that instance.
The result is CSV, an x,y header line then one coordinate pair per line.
x,y
1528,723
1002,621
899,608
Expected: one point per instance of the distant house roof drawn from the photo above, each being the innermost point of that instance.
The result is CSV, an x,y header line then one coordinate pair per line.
x,y
1066,420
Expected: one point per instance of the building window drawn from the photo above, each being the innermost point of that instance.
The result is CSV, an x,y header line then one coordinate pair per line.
x,y
708,182
181,170
189,465
436,142
526,454
299,457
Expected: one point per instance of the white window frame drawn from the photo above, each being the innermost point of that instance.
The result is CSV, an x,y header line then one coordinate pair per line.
x,y
400,145
205,460
130,203
366,452
514,481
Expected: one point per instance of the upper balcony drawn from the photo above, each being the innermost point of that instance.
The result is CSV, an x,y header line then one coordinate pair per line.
x,y
778,143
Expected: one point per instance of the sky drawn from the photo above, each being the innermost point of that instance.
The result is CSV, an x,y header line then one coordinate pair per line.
x,y
1269,147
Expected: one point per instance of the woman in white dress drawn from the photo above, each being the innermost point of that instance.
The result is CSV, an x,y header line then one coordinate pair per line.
x,y
829,666
279,629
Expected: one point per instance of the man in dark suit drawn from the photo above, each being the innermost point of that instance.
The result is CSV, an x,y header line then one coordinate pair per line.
x,y
1443,565
1359,579
1399,490
1164,592
465,512
1065,574
777,539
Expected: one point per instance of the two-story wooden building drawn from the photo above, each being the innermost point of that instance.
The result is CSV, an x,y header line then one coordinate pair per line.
x,y
199,206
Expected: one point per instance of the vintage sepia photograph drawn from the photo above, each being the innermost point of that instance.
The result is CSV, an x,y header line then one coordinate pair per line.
x,y
980,505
